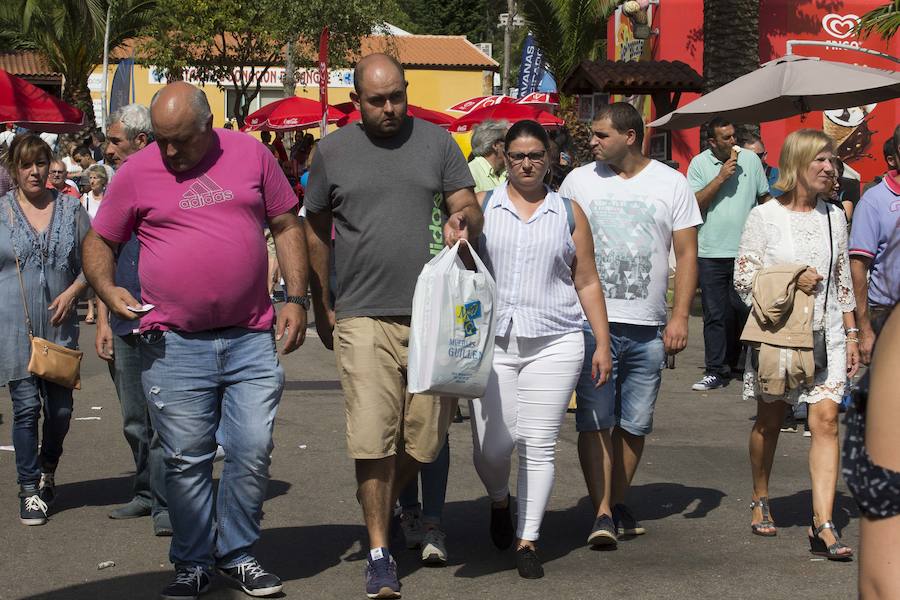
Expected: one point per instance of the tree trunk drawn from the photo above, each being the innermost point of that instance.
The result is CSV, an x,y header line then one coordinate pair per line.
x,y
730,43
730,40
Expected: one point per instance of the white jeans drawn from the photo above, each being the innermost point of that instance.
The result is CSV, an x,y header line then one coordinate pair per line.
x,y
526,398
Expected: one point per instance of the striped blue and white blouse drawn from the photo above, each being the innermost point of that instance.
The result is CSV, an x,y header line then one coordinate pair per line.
x,y
531,261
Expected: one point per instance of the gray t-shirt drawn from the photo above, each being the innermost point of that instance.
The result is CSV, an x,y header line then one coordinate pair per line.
x,y
387,200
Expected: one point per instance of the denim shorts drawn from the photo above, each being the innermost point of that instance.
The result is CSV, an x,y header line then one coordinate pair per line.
x,y
629,397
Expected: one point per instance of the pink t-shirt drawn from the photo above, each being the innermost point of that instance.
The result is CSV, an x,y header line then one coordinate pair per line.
x,y
203,259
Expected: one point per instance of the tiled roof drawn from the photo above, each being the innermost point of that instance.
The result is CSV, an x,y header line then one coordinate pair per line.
x,y
26,64
430,51
621,77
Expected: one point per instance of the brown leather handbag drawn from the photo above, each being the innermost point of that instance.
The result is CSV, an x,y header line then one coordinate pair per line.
x,y
52,362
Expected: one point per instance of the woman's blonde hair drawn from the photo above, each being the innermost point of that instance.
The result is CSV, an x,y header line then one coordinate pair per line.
x,y
800,148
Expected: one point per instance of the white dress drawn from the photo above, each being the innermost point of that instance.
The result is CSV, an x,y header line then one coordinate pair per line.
x,y
776,235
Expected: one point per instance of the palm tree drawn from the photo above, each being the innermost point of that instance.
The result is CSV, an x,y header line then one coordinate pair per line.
x,y
568,31
69,33
884,20
730,40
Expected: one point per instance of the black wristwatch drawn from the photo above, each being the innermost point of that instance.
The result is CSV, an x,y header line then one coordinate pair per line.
x,y
301,300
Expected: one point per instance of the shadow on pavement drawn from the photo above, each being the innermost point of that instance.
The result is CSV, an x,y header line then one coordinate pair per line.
x,y
562,531
141,586
93,492
796,510
660,500
118,490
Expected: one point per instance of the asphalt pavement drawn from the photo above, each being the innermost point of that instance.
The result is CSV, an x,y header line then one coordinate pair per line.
x,y
692,494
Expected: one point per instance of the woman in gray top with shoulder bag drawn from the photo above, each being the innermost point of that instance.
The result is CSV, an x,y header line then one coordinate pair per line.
x,y
40,282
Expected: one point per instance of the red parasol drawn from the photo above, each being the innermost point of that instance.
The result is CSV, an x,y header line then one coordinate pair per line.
x,y
31,107
432,116
505,112
473,104
548,98
289,114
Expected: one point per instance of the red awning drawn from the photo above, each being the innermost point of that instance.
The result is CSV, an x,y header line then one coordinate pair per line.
x,y
31,107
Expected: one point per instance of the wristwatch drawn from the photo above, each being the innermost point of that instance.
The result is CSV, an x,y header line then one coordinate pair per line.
x,y
301,300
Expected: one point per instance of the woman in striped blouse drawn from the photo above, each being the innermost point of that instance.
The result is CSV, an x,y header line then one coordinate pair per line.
x,y
539,248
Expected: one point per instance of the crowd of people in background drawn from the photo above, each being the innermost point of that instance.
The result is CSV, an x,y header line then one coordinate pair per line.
x,y
616,249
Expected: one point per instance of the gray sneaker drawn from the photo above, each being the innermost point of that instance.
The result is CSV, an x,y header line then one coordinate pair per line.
x,y
434,548
413,532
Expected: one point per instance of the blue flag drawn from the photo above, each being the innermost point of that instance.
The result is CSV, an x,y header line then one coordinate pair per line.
x,y
531,69
121,90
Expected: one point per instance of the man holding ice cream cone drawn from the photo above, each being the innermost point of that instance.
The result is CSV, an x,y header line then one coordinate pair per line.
x,y
728,183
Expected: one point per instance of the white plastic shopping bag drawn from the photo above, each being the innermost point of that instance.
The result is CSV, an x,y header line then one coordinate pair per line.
x,y
451,340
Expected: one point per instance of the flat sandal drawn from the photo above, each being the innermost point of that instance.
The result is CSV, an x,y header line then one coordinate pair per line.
x,y
766,523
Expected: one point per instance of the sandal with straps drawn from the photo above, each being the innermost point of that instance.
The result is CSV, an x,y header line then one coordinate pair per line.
x,y
766,523
833,552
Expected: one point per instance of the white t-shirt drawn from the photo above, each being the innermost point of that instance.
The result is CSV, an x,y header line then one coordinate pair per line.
x,y
632,221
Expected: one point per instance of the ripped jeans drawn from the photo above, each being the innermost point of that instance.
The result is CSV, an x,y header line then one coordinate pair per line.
x,y
226,380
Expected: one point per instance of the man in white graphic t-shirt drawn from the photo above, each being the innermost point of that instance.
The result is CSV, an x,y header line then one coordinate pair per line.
x,y
638,208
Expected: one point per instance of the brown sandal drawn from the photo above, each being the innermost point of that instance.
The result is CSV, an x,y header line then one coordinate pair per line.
x,y
766,523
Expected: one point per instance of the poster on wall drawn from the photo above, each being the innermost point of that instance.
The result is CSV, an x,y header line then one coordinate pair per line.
x,y
858,131
630,48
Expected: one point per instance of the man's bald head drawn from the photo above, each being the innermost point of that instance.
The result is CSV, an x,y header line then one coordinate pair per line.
x,y
182,124
380,94
377,66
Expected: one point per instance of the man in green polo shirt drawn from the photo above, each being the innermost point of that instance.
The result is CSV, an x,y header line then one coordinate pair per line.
x,y
728,183
489,166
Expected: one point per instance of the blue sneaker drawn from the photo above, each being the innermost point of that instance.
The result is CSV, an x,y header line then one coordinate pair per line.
x,y
381,575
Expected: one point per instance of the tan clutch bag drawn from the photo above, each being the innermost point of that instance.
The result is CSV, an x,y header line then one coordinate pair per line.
x,y
52,362
55,363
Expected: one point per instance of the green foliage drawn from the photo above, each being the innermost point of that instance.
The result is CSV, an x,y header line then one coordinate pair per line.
x,y
568,31
240,41
69,33
883,21
475,19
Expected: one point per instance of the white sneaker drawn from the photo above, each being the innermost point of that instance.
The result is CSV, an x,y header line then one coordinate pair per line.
x,y
411,524
434,549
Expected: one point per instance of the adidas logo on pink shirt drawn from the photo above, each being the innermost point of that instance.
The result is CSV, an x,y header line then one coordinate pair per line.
x,y
204,192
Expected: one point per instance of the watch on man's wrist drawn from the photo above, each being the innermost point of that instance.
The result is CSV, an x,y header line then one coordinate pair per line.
x,y
301,300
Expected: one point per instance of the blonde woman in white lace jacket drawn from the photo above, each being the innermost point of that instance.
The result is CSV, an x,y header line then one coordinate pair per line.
x,y
793,229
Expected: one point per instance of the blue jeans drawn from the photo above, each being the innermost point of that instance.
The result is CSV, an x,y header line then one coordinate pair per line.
x,y
29,396
724,315
638,356
149,471
225,380
434,487
595,406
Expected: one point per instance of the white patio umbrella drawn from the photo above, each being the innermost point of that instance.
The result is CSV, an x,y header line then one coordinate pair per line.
x,y
785,87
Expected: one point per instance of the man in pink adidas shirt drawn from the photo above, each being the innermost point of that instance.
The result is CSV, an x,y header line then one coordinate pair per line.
x,y
198,200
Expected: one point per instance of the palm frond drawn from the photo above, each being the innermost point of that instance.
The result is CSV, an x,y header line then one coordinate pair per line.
x,y
884,21
568,31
